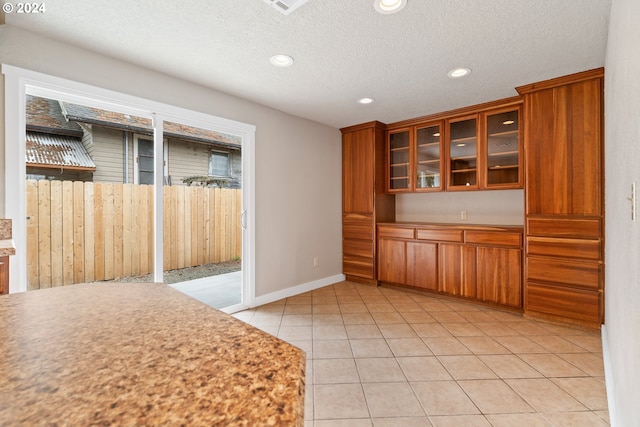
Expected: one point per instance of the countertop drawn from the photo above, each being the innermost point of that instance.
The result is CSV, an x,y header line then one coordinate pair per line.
x,y
453,225
140,354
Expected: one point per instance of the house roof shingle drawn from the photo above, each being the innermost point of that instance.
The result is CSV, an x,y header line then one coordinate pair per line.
x,y
45,115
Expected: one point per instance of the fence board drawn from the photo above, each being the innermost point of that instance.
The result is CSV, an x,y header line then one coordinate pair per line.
x,y
78,232
84,232
32,236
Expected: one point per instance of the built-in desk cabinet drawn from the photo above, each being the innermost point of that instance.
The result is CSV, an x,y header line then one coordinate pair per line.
x,y
476,262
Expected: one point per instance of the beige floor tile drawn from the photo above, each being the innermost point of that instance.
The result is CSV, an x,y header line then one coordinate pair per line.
x,y
353,308
273,330
434,306
332,349
520,344
447,317
379,370
266,319
397,330
477,316
518,420
402,422
370,348
326,309
245,315
274,307
363,331
392,400
335,371
399,298
483,345
588,342
357,319
551,365
298,309
298,300
466,367
417,317
308,402
304,345
575,419
557,344
544,396
591,363
335,401
327,319
460,420
443,398
509,366
349,299
588,391
297,320
428,330
388,317
503,316
295,333
323,292
408,307
446,346
463,329
496,329
604,415
374,299
329,332
423,368
381,308
408,347
353,422
529,328
494,397
324,300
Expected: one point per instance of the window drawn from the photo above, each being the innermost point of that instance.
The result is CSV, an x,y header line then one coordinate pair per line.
x,y
219,164
145,161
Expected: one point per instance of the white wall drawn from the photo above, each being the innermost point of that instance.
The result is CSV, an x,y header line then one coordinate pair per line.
x,y
622,249
502,207
298,162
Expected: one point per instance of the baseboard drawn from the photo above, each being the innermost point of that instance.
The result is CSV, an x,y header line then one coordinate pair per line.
x,y
296,290
608,378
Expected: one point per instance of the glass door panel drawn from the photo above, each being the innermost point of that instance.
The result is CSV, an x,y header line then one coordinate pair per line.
x,y
503,148
428,158
399,166
463,153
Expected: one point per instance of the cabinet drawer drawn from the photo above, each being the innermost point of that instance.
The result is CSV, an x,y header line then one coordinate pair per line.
x,y
357,248
493,238
570,303
396,232
357,226
360,267
585,274
570,248
443,235
564,227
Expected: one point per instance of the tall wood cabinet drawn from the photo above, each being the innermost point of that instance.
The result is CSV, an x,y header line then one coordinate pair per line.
x,y
564,263
364,201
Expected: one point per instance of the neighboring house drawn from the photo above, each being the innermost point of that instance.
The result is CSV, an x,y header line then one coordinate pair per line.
x,y
73,142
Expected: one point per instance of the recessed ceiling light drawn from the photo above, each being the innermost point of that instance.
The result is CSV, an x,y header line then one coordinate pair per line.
x,y
281,60
436,134
459,72
365,100
460,145
389,6
508,122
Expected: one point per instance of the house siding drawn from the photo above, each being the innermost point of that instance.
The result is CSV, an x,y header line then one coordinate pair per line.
x,y
108,154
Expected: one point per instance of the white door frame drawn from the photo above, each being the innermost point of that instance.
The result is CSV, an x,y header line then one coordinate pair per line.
x,y
19,82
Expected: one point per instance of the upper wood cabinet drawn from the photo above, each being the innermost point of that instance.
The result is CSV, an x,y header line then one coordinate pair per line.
x,y
414,158
474,148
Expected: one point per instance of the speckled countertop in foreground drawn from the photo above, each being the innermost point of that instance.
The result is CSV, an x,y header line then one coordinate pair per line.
x,y
140,354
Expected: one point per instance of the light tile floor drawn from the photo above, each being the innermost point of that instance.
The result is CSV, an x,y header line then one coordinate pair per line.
x,y
383,357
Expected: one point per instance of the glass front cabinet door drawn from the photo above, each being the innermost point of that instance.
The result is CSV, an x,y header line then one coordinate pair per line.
x,y
463,154
399,160
502,165
428,165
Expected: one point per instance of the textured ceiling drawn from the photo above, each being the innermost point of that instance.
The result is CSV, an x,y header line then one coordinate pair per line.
x,y
343,49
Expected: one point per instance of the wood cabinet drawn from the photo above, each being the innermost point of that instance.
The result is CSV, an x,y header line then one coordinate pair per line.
x,y
364,201
473,148
564,198
414,158
4,275
477,262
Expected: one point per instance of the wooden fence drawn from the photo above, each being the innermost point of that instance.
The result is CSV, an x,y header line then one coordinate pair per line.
x,y
81,232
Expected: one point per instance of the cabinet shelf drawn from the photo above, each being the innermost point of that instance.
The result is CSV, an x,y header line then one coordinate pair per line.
x,y
429,144
465,139
463,158
425,162
503,153
394,178
503,167
463,170
400,149
501,134
398,165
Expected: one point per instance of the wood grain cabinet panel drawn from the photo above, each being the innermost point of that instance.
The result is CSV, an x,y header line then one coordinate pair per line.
x,y
570,227
571,248
500,275
441,235
558,301
392,261
493,238
358,226
4,275
396,232
585,274
422,265
457,269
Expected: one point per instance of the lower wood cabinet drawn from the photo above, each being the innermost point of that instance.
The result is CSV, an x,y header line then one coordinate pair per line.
x,y
476,262
4,275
